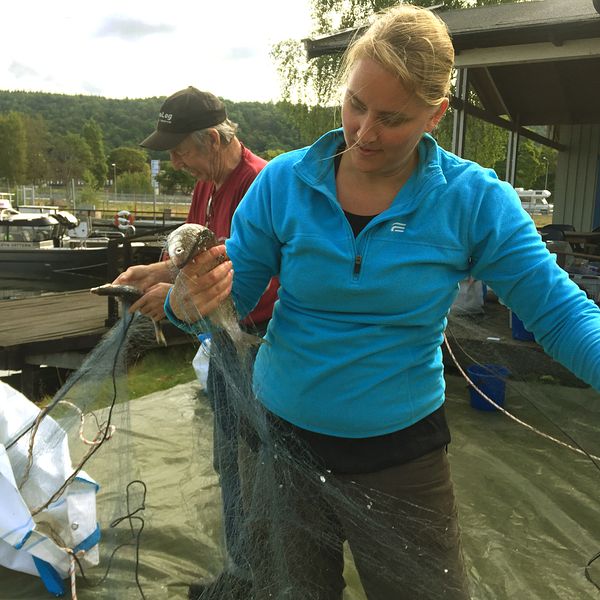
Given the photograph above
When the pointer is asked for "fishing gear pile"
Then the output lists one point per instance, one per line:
(136, 513)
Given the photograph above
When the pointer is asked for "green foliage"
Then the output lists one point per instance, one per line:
(89, 195)
(38, 148)
(123, 122)
(172, 181)
(135, 183)
(13, 148)
(485, 143)
(264, 126)
(271, 154)
(128, 160)
(533, 162)
(70, 157)
(94, 138)
(312, 121)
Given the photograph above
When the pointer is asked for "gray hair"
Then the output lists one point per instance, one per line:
(226, 130)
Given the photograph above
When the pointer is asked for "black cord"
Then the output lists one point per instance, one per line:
(130, 516)
(587, 570)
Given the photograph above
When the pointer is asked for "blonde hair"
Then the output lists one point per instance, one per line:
(413, 44)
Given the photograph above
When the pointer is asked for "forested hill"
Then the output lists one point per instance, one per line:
(263, 126)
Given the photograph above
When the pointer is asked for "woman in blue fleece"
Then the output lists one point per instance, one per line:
(370, 230)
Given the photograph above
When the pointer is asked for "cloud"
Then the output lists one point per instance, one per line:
(241, 53)
(20, 70)
(90, 88)
(130, 29)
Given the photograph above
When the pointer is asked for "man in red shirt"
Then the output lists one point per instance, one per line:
(194, 128)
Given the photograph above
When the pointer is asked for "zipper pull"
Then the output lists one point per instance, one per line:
(357, 263)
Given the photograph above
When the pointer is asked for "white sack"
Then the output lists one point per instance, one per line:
(26, 540)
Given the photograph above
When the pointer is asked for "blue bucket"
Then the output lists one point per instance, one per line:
(518, 329)
(490, 379)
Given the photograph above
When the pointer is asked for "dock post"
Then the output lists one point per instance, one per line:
(31, 381)
(112, 258)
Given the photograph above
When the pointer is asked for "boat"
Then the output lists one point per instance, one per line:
(37, 246)
(535, 201)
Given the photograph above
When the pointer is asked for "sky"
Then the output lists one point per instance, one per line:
(143, 48)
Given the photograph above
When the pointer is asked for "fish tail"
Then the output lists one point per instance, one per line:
(244, 341)
(158, 332)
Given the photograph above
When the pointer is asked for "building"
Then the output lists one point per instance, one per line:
(530, 63)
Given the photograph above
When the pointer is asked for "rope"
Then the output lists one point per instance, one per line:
(72, 563)
(101, 434)
(510, 415)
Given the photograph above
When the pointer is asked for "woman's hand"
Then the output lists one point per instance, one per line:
(202, 285)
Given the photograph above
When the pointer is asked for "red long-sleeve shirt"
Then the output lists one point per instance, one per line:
(214, 209)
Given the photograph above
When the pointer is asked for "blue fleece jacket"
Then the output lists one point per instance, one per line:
(354, 343)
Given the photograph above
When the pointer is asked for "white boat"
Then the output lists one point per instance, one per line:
(535, 202)
(37, 245)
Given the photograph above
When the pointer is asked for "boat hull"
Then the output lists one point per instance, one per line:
(47, 263)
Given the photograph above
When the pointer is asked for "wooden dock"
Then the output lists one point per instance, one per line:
(51, 317)
(57, 330)
(54, 330)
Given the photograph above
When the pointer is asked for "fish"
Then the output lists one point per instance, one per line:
(128, 294)
(182, 245)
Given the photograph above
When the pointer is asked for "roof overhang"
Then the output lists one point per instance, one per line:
(537, 62)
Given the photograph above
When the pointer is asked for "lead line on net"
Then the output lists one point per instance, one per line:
(510, 415)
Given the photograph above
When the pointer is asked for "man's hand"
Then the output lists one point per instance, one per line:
(152, 303)
(143, 277)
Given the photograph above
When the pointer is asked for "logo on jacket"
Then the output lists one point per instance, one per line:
(398, 227)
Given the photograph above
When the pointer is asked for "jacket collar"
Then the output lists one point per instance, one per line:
(316, 168)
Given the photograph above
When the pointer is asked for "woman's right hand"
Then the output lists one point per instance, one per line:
(202, 285)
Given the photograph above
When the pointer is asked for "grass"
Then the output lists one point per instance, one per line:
(161, 369)
(541, 220)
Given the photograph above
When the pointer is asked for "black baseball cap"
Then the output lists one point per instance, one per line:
(182, 113)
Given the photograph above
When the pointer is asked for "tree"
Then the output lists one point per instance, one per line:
(129, 160)
(315, 82)
(135, 183)
(71, 158)
(172, 181)
(534, 162)
(13, 148)
(92, 133)
(38, 147)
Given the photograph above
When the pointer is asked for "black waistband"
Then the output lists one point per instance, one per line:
(367, 455)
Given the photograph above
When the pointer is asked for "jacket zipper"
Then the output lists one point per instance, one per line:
(357, 264)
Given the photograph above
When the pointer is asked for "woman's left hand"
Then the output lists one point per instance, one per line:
(202, 285)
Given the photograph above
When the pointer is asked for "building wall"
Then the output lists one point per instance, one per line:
(576, 192)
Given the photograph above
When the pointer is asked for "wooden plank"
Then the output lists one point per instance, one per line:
(51, 317)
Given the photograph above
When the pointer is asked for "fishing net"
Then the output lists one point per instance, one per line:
(526, 503)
